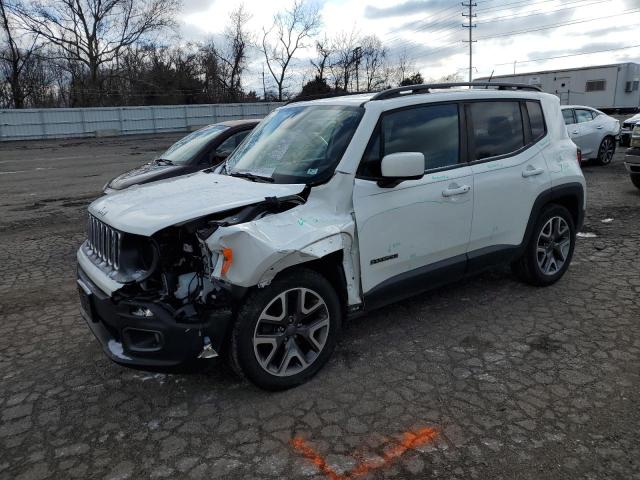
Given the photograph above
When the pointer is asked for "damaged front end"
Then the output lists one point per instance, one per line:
(170, 305)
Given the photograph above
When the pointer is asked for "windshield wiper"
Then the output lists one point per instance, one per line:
(163, 161)
(252, 176)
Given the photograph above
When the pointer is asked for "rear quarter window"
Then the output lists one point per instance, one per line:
(536, 120)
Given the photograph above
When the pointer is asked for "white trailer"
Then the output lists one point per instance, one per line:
(602, 86)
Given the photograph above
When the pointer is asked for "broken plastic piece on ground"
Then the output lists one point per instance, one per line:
(607, 220)
(586, 235)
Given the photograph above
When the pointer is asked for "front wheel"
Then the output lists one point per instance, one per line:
(635, 178)
(286, 331)
(606, 151)
(550, 249)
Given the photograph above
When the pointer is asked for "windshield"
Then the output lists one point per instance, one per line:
(296, 144)
(188, 147)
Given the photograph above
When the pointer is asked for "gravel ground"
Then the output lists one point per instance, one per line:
(487, 378)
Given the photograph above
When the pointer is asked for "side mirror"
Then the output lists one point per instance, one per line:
(397, 167)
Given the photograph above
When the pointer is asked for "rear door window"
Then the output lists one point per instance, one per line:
(567, 113)
(496, 128)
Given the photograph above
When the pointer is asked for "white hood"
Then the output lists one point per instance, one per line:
(145, 209)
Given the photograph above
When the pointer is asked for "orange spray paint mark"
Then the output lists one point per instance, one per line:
(409, 441)
(310, 454)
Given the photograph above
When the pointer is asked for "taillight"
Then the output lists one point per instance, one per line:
(579, 156)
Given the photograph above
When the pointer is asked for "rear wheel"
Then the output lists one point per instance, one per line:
(550, 249)
(606, 151)
(635, 178)
(286, 331)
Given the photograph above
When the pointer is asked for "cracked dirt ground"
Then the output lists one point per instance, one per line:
(512, 381)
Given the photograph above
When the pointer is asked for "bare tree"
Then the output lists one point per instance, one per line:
(324, 50)
(235, 57)
(403, 67)
(95, 32)
(16, 60)
(343, 66)
(288, 33)
(374, 57)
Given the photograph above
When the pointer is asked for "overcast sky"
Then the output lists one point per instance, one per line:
(431, 33)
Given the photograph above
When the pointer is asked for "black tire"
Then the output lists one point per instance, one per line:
(244, 358)
(635, 178)
(606, 150)
(527, 267)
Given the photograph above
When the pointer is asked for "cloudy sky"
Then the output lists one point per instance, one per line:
(527, 32)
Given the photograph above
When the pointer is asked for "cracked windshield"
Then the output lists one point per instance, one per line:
(296, 144)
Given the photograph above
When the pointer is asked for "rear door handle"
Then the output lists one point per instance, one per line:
(600, 127)
(575, 132)
(455, 190)
(532, 171)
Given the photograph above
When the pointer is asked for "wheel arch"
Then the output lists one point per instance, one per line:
(331, 257)
(569, 195)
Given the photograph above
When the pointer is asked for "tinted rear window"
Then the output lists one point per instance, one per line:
(536, 119)
(497, 128)
(568, 116)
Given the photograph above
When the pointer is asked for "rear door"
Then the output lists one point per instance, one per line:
(589, 133)
(505, 139)
(574, 130)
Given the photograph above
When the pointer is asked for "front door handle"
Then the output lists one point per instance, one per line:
(600, 127)
(531, 171)
(575, 132)
(454, 189)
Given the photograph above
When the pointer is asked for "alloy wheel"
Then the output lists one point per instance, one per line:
(554, 243)
(606, 151)
(291, 332)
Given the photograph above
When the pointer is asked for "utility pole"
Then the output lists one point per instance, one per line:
(357, 54)
(470, 26)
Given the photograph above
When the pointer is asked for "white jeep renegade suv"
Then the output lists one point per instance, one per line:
(331, 208)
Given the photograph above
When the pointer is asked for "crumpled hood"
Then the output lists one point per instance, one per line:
(145, 209)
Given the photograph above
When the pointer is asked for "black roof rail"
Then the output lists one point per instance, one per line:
(320, 96)
(426, 88)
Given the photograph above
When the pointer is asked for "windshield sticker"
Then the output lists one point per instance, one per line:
(312, 171)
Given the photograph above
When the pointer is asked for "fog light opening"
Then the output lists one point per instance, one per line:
(142, 312)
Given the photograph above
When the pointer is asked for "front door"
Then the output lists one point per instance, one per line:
(418, 226)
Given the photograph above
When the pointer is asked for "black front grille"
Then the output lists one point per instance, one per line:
(104, 243)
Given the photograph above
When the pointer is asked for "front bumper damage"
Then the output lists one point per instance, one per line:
(148, 333)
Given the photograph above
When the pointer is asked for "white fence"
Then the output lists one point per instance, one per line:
(46, 123)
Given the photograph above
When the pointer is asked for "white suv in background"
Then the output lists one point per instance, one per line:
(331, 208)
(593, 131)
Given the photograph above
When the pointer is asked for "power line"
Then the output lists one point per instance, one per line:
(405, 43)
(518, 32)
(564, 24)
(569, 55)
(580, 3)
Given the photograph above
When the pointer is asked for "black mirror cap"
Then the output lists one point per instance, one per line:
(391, 182)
